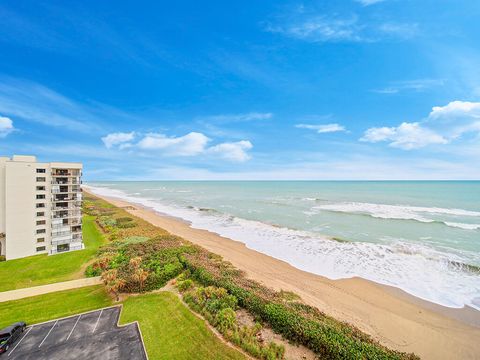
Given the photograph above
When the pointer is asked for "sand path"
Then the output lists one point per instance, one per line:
(45, 289)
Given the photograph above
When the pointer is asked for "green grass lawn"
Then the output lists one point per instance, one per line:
(171, 331)
(44, 269)
(41, 308)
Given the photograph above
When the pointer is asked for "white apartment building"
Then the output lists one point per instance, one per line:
(40, 207)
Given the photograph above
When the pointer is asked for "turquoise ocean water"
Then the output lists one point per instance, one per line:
(422, 237)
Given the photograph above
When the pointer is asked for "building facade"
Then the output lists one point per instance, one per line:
(40, 207)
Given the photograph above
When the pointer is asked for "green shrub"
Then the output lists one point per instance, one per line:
(135, 239)
(126, 225)
(226, 320)
(304, 325)
(107, 222)
(273, 351)
(123, 220)
(184, 285)
(92, 271)
(2, 258)
(217, 306)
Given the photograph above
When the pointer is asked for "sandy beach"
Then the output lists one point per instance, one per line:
(392, 317)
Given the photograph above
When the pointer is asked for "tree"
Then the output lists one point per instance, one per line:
(139, 275)
(113, 283)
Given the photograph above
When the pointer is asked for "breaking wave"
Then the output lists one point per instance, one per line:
(440, 277)
(400, 212)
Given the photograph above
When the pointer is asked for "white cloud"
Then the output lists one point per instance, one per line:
(326, 128)
(443, 125)
(233, 151)
(407, 136)
(6, 126)
(457, 108)
(417, 85)
(400, 30)
(192, 144)
(456, 119)
(317, 26)
(118, 138)
(321, 29)
(227, 118)
(378, 134)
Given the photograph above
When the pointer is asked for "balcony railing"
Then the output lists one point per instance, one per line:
(61, 224)
(66, 173)
(66, 182)
(76, 189)
(62, 234)
(71, 214)
(71, 198)
(70, 206)
(72, 248)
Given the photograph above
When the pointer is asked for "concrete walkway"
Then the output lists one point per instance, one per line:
(45, 289)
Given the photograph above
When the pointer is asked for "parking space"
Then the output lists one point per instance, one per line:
(93, 335)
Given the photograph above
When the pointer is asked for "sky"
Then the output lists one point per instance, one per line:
(237, 90)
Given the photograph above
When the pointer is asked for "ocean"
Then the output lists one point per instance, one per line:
(420, 236)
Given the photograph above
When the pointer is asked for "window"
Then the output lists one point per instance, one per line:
(41, 179)
(41, 171)
(41, 248)
(40, 205)
(40, 197)
(40, 188)
(40, 213)
(40, 240)
(40, 231)
(41, 222)
(63, 247)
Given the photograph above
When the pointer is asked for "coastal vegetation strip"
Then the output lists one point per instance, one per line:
(140, 257)
(44, 269)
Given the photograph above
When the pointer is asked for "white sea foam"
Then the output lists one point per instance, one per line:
(463, 226)
(417, 269)
(400, 212)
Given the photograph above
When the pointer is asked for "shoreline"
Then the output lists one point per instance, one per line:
(391, 316)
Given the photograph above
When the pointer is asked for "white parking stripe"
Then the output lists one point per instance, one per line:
(10, 353)
(95, 328)
(45, 338)
(71, 331)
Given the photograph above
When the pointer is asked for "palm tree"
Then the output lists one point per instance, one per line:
(139, 275)
(113, 283)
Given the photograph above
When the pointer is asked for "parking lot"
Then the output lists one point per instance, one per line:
(92, 335)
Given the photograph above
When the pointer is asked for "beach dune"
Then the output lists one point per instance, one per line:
(394, 318)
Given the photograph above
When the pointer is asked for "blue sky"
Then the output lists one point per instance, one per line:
(350, 89)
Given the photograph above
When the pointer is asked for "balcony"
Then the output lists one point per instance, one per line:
(67, 215)
(67, 232)
(61, 198)
(59, 227)
(70, 206)
(66, 172)
(71, 248)
(66, 182)
(65, 189)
